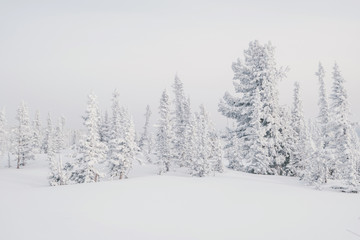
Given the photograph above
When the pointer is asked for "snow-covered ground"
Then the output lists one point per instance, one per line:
(231, 205)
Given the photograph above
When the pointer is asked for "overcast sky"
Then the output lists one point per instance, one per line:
(53, 53)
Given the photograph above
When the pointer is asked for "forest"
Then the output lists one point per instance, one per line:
(265, 137)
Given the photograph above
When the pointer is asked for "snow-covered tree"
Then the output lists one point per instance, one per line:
(181, 119)
(145, 142)
(344, 153)
(204, 148)
(355, 141)
(91, 150)
(57, 175)
(324, 124)
(216, 153)
(24, 136)
(201, 165)
(232, 148)
(122, 144)
(47, 135)
(192, 153)
(164, 135)
(258, 74)
(105, 128)
(313, 167)
(74, 138)
(59, 138)
(3, 133)
(254, 154)
(65, 132)
(37, 134)
(300, 137)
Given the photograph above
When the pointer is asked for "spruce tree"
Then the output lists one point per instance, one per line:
(57, 175)
(91, 150)
(301, 148)
(344, 154)
(324, 123)
(105, 128)
(122, 144)
(145, 142)
(254, 154)
(216, 153)
(37, 133)
(201, 165)
(3, 133)
(258, 73)
(164, 135)
(24, 137)
(47, 135)
(181, 119)
(59, 138)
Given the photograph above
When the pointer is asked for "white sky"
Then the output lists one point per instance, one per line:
(53, 53)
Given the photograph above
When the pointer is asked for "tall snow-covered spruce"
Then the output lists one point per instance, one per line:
(301, 148)
(47, 134)
(24, 137)
(37, 133)
(105, 128)
(3, 133)
(57, 175)
(325, 156)
(204, 146)
(344, 150)
(164, 135)
(91, 150)
(258, 74)
(181, 119)
(145, 142)
(200, 164)
(122, 143)
(254, 153)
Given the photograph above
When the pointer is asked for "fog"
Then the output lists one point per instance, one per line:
(53, 53)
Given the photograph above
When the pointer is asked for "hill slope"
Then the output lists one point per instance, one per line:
(232, 205)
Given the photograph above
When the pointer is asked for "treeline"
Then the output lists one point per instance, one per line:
(267, 138)
(109, 145)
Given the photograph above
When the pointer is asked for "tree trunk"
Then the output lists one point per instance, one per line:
(9, 162)
(18, 162)
(96, 177)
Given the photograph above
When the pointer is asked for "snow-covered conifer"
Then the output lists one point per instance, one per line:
(75, 138)
(57, 175)
(181, 120)
(24, 137)
(59, 138)
(122, 144)
(47, 134)
(105, 128)
(164, 135)
(191, 157)
(3, 133)
(216, 153)
(145, 142)
(258, 73)
(231, 152)
(344, 153)
(91, 150)
(201, 165)
(37, 133)
(324, 125)
(301, 148)
(254, 153)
